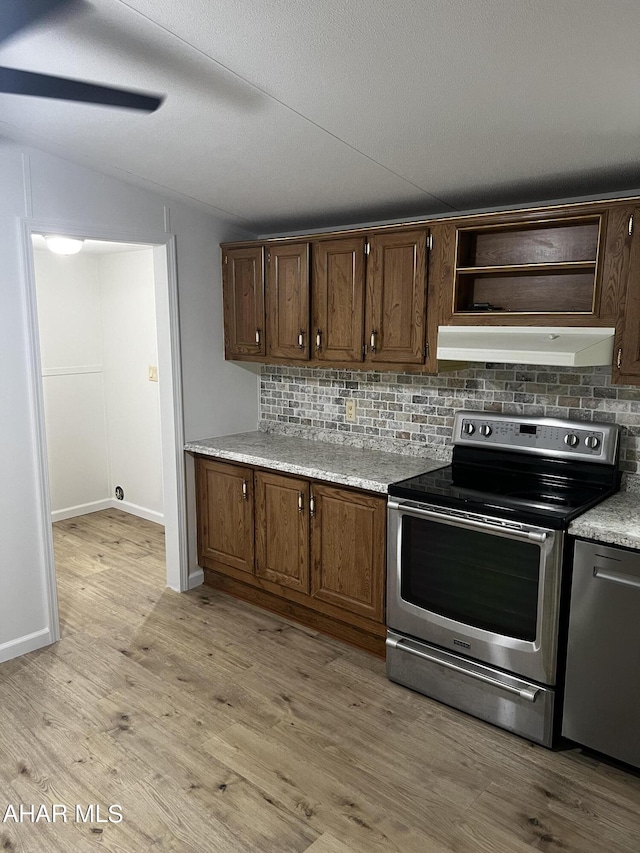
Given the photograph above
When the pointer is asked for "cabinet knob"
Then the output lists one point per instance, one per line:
(301, 340)
(245, 490)
(312, 506)
(300, 502)
(318, 339)
(373, 342)
(257, 337)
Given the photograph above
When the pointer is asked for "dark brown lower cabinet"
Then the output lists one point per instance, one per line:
(348, 550)
(312, 552)
(225, 515)
(282, 530)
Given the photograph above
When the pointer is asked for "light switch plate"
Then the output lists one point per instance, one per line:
(153, 373)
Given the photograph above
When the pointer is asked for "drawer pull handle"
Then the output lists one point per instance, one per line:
(245, 490)
(528, 693)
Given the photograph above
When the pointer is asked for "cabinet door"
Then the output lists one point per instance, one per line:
(616, 246)
(439, 288)
(225, 514)
(287, 297)
(626, 353)
(338, 299)
(396, 297)
(243, 296)
(348, 550)
(282, 530)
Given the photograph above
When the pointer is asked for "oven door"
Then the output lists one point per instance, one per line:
(475, 584)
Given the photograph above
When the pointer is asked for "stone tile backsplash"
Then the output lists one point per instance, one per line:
(413, 414)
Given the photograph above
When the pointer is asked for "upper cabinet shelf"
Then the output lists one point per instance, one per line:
(511, 269)
(545, 267)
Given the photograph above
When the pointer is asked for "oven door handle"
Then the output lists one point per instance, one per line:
(472, 523)
(529, 693)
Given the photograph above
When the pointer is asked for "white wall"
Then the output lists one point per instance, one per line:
(70, 323)
(96, 315)
(130, 347)
(218, 396)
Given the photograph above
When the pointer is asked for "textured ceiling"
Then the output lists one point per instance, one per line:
(283, 115)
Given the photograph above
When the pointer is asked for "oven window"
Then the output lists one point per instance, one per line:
(475, 578)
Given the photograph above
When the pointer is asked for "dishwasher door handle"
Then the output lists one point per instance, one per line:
(616, 577)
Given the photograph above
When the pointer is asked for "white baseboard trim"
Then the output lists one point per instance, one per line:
(81, 509)
(108, 503)
(196, 578)
(28, 643)
(140, 511)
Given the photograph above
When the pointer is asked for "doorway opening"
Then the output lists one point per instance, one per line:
(105, 353)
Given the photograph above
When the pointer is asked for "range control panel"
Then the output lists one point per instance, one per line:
(546, 436)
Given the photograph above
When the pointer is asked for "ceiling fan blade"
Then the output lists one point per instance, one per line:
(17, 82)
(15, 15)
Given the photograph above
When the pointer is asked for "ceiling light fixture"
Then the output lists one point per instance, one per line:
(64, 245)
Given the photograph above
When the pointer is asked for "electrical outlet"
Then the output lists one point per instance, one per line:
(350, 413)
(153, 373)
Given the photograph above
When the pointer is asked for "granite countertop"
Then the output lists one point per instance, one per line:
(616, 521)
(371, 470)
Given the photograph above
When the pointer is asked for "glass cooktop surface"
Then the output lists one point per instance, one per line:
(504, 492)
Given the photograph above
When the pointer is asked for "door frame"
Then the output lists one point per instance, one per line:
(171, 413)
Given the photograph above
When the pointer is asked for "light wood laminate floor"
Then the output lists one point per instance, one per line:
(219, 727)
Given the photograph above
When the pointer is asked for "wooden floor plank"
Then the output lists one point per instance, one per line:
(221, 727)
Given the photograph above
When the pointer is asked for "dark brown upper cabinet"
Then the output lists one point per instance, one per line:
(287, 298)
(396, 297)
(544, 268)
(626, 353)
(338, 299)
(370, 299)
(243, 298)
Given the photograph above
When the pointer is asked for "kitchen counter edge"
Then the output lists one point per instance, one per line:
(615, 521)
(360, 468)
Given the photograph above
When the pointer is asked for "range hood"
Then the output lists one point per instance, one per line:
(558, 346)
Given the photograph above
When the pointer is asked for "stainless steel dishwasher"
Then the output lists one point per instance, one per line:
(602, 695)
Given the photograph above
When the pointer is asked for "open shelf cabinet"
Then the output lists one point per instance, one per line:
(548, 267)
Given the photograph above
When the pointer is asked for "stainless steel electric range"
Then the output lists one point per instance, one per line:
(477, 564)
